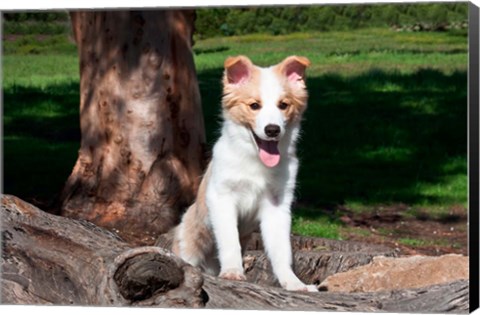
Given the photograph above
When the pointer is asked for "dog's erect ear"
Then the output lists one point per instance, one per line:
(293, 68)
(237, 69)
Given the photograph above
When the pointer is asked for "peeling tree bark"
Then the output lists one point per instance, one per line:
(143, 142)
(48, 259)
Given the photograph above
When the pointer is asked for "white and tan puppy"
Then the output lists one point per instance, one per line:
(251, 177)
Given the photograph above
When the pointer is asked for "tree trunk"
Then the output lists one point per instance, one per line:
(48, 259)
(142, 151)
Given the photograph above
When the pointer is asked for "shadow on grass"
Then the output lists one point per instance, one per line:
(41, 140)
(374, 138)
(49, 113)
(382, 138)
(199, 51)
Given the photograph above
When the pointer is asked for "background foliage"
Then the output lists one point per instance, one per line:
(284, 20)
(276, 20)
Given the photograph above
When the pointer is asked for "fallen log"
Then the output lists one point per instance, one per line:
(449, 297)
(48, 259)
(314, 258)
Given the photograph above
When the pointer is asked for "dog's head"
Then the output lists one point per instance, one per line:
(265, 100)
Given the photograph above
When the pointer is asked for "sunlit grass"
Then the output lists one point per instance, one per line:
(39, 70)
(450, 188)
(307, 221)
(354, 51)
(414, 241)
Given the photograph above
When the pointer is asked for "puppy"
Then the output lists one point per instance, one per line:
(250, 180)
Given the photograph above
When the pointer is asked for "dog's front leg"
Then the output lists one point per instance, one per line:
(275, 221)
(223, 218)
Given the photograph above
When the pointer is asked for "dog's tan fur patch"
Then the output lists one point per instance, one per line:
(295, 95)
(237, 98)
(197, 238)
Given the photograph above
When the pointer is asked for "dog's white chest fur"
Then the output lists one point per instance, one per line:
(237, 172)
(251, 179)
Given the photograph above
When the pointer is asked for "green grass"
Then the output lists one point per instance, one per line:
(39, 71)
(386, 121)
(38, 44)
(308, 221)
(413, 242)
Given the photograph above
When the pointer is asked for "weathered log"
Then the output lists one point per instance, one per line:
(450, 297)
(48, 259)
(314, 258)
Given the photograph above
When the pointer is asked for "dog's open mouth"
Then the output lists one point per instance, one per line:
(267, 151)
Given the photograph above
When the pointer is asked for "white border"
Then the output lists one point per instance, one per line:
(88, 4)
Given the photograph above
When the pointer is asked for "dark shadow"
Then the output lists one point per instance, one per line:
(374, 138)
(22, 106)
(39, 150)
(199, 51)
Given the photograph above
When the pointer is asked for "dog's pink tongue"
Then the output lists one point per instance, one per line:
(269, 153)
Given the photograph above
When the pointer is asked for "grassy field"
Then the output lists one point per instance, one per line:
(386, 123)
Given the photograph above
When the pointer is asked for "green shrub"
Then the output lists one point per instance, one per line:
(36, 27)
(49, 16)
(274, 20)
(211, 22)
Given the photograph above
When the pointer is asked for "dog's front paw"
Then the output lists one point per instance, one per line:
(311, 288)
(300, 287)
(233, 274)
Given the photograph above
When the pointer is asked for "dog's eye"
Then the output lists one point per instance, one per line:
(255, 106)
(282, 105)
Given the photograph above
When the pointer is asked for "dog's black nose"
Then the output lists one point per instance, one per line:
(272, 130)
